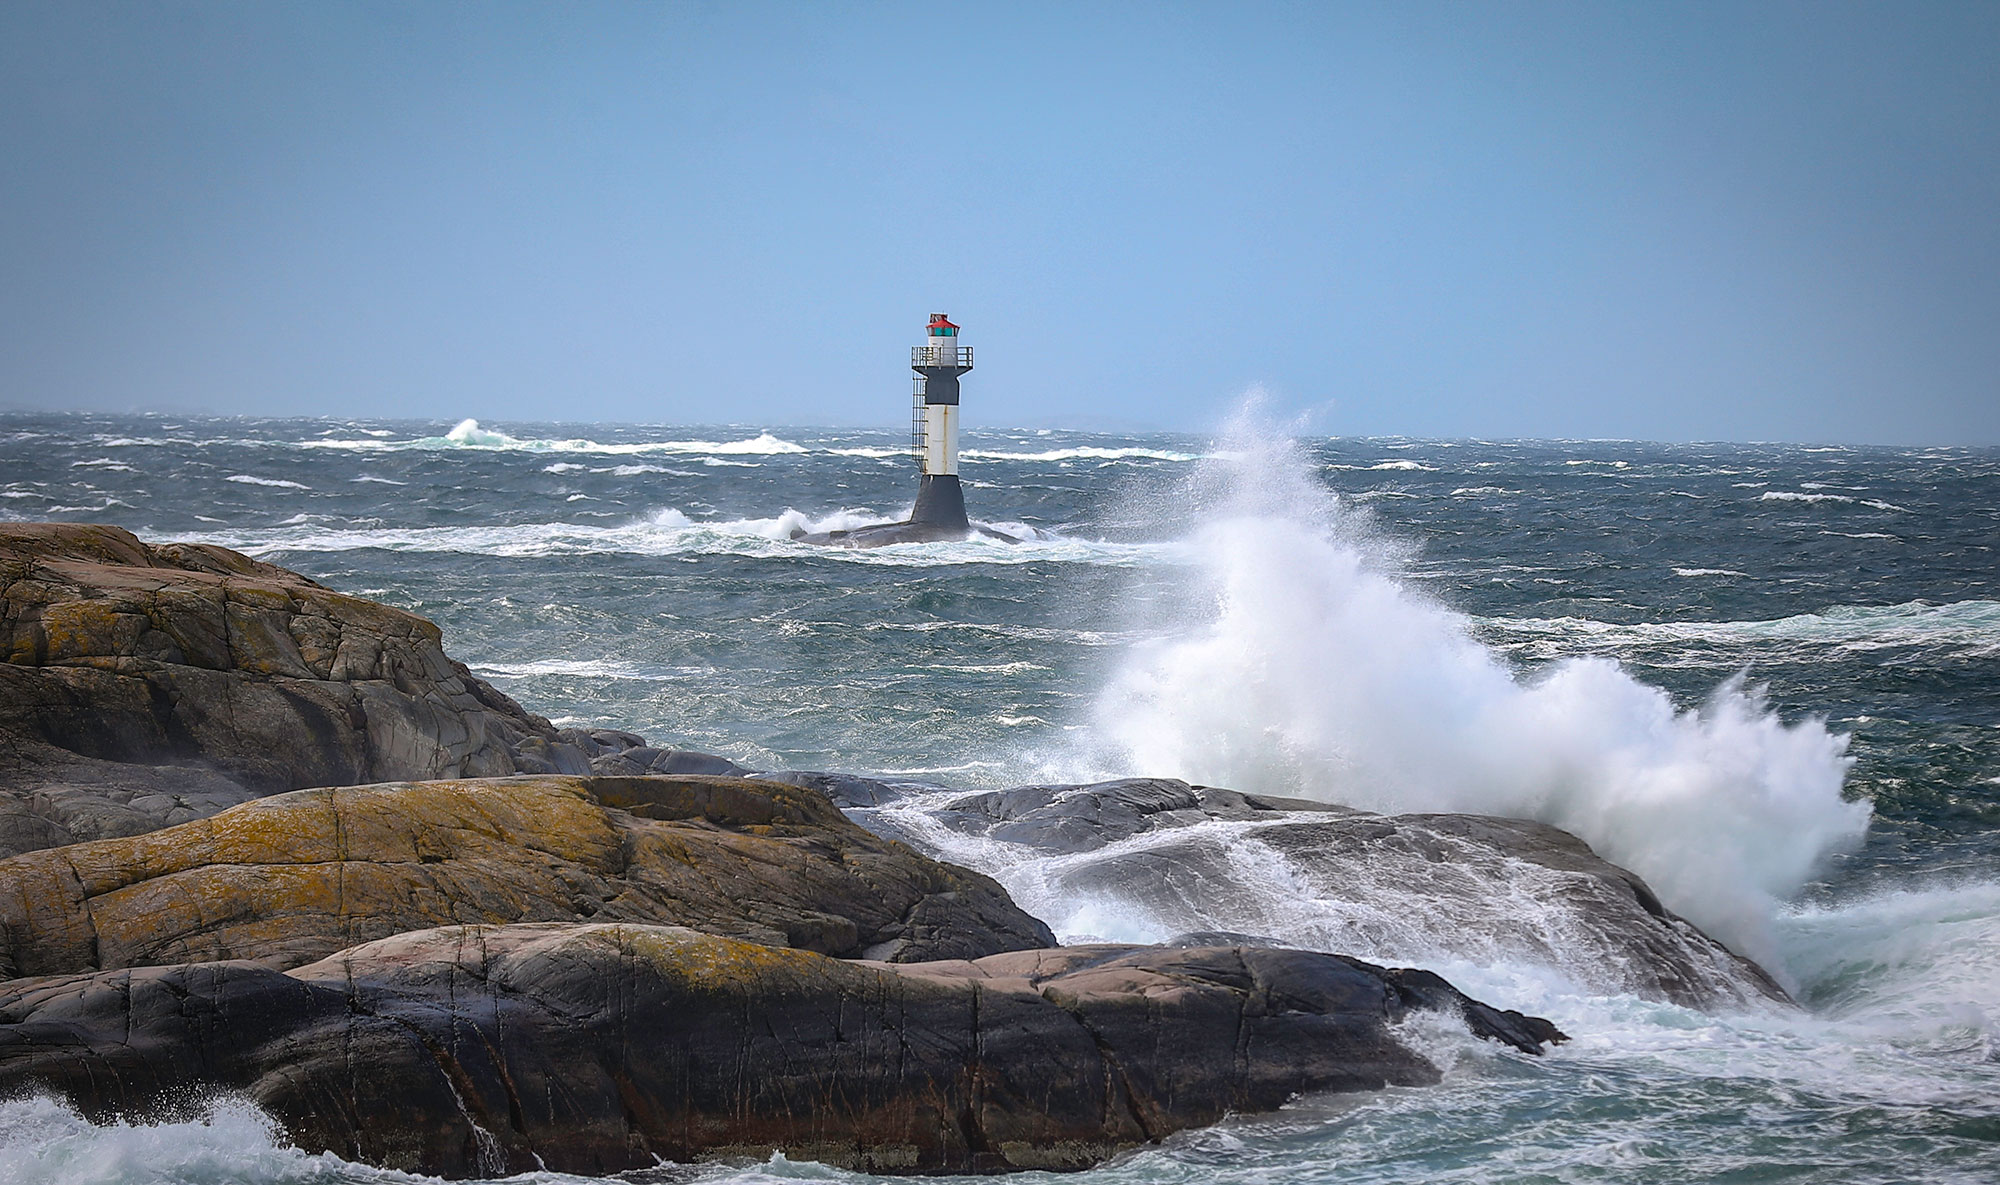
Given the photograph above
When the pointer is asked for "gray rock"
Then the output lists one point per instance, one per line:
(140, 685)
(595, 1049)
(851, 790)
(1082, 818)
(1420, 886)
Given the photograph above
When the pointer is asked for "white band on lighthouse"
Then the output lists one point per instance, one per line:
(941, 438)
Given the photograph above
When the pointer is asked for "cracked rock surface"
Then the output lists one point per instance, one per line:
(142, 686)
(485, 1051)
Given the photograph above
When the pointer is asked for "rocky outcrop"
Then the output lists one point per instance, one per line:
(146, 685)
(293, 877)
(473, 1051)
(1423, 887)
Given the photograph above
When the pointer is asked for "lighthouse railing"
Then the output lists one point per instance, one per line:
(941, 356)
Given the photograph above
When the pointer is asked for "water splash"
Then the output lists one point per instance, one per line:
(1302, 663)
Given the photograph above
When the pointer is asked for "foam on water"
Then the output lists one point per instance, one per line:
(44, 1142)
(1081, 453)
(469, 435)
(1305, 665)
(1962, 629)
(672, 532)
(276, 483)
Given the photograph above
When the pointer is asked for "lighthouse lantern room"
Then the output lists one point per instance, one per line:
(934, 425)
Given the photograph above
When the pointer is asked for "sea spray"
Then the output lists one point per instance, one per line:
(1304, 663)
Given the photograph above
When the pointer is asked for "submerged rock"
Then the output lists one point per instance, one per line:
(1172, 857)
(143, 686)
(484, 1051)
(294, 877)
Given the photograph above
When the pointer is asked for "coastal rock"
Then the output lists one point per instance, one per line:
(293, 877)
(477, 1051)
(1169, 857)
(145, 685)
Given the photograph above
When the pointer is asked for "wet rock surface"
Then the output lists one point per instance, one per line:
(483, 1051)
(290, 878)
(1427, 886)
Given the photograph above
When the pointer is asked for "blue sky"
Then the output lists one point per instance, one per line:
(1661, 221)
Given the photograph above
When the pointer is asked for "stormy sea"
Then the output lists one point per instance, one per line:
(1764, 677)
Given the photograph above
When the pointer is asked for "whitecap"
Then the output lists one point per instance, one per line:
(1794, 496)
(1081, 453)
(673, 532)
(468, 434)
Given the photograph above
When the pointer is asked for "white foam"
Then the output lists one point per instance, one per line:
(1835, 499)
(595, 668)
(1691, 572)
(671, 532)
(1306, 665)
(1081, 453)
(277, 483)
(1970, 627)
(467, 434)
(43, 1142)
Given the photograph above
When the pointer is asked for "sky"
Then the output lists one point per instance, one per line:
(1671, 221)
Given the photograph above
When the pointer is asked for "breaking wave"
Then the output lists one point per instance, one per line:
(469, 435)
(1302, 663)
(1083, 453)
(673, 533)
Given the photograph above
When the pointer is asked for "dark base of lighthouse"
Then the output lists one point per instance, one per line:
(940, 503)
(939, 517)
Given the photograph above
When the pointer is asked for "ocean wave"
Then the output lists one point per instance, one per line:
(1971, 627)
(469, 435)
(105, 463)
(601, 668)
(45, 1142)
(1305, 663)
(614, 470)
(1408, 466)
(869, 451)
(276, 483)
(672, 533)
(1836, 499)
(1081, 453)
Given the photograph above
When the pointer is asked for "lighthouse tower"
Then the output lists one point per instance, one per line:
(934, 425)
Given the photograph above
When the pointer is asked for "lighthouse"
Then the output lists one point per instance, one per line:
(939, 515)
(934, 425)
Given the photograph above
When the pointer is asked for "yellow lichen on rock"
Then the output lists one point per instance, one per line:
(292, 877)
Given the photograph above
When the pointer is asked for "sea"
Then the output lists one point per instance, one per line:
(1766, 677)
